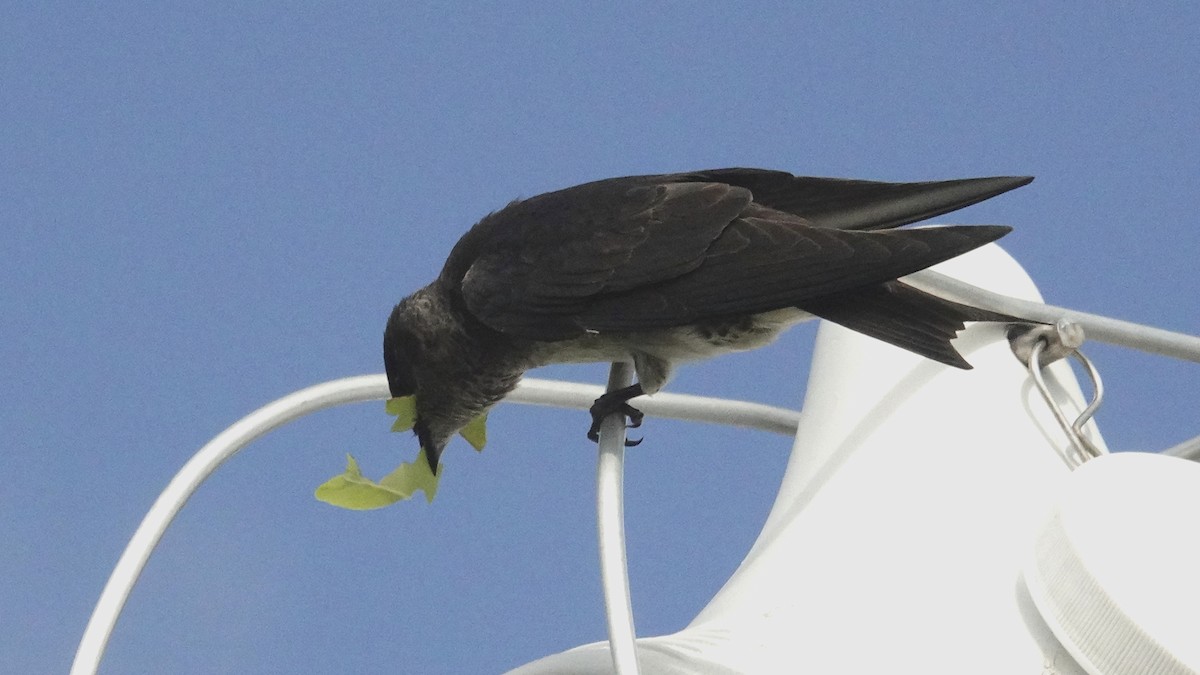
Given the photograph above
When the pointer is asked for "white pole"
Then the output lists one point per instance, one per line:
(610, 521)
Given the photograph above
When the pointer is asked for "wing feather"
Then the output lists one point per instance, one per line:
(846, 204)
(658, 251)
(551, 256)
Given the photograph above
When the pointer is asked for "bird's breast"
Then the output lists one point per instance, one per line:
(735, 334)
(701, 340)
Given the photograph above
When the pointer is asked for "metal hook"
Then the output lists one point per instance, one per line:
(1039, 347)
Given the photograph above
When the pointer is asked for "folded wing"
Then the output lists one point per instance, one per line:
(659, 251)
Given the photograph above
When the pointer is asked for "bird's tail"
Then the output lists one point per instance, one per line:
(904, 316)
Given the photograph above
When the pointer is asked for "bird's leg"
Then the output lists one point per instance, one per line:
(617, 401)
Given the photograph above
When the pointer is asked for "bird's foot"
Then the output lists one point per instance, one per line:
(617, 402)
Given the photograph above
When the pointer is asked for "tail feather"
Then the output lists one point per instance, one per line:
(904, 316)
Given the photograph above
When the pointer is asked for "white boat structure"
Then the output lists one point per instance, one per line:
(930, 520)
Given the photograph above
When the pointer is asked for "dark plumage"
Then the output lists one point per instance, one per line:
(669, 268)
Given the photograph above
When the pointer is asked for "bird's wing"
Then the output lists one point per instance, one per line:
(536, 265)
(631, 255)
(858, 204)
(765, 262)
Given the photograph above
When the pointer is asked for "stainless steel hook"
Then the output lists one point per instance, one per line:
(1041, 345)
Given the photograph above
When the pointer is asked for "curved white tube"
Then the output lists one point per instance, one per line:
(663, 404)
(356, 390)
(610, 530)
(1095, 327)
(202, 465)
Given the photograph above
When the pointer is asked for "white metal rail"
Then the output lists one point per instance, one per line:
(374, 387)
(1095, 327)
(610, 529)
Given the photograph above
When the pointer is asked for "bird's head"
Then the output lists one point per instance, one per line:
(406, 359)
(426, 356)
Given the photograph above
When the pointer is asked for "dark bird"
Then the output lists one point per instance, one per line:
(658, 270)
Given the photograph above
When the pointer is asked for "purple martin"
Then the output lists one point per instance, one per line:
(663, 269)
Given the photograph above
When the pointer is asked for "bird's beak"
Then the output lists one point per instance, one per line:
(433, 449)
(433, 454)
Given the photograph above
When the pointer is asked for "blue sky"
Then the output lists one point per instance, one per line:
(208, 206)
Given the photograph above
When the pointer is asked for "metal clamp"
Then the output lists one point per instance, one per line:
(1041, 345)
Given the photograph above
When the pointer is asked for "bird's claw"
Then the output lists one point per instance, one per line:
(603, 408)
(635, 416)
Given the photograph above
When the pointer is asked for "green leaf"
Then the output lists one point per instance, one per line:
(404, 409)
(410, 477)
(351, 490)
(476, 432)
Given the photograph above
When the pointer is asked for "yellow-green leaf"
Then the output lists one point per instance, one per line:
(410, 477)
(476, 432)
(351, 490)
(404, 409)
